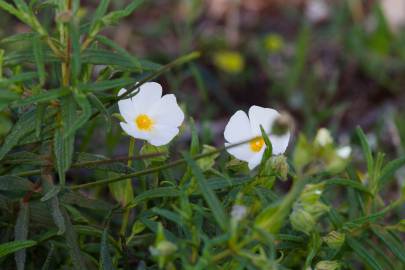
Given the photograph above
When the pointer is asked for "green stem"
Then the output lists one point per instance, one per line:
(154, 169)
(128, 184)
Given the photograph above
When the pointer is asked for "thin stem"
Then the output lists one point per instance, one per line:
(154, 169)
(85, 163)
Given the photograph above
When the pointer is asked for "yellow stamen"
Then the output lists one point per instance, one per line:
(256, 144)
(144, 122)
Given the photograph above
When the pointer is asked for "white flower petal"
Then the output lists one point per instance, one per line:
(131, 130)
(279, 143)
(148, 94)
(262, 116)
(256, 159)
(241, 152)
(166, 111)
(126, 107)
(162, 135)
(238, 128)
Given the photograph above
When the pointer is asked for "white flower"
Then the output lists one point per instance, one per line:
(241, 128)
(238, 212)
(344, 152)
(149, 116)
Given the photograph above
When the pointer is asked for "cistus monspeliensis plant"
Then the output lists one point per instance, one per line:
(243, 204)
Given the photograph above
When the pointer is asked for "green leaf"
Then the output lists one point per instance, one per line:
(363, 254)
(106, 85)
(105, 257)
(20, 57)
(96, 102)
(366, 150)
(11, 247)
(63, 147)
(21, 234)
(71, 240)
(24, 125)
(76, 62)
(396, 247)
(108, 42)
(389, 170)
(160, 192)
(104, 57)
(209, 196)
(19, 78)
(42, 97)
(51, 193)
(39, 59)
(14, 184)
(20, 37)
(115, 16)
(57, 215)
(48, 259)
(84, 104)
(347, 183)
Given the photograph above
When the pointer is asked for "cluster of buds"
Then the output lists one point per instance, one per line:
(308, 208)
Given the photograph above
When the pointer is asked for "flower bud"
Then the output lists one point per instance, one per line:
(323, 137)
(302, 221)
(279, 165)
(312, 193)
(282, 125)
(163, 248)
(334, 239)
(327, 265)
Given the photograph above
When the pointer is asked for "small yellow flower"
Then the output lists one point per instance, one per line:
(149, 116)
(229, 61)
(241, 128)
(273, 43)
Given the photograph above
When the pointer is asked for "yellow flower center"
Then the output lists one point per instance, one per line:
(144, 122)
(256, 144)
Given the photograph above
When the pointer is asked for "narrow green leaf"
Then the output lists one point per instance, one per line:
(57, 215)
(115, 16)
(76, 62)
(63, 147)
(347, 183)
(42, 97)
(101, 108)
(389, 170)
(160, 192)
(105, 257)
(39, 118)
(106, 85)
(24, 125)
(84, 104)
(19, 78)
(48, 259)
(71, 240)
(396, 247)
(51, 193)
(209, 196)
(11, 247)
(363, 254)
(37, 46)
(108, 42)
(21, 234)
(366, 150)
(20, 37)
(104, 57)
